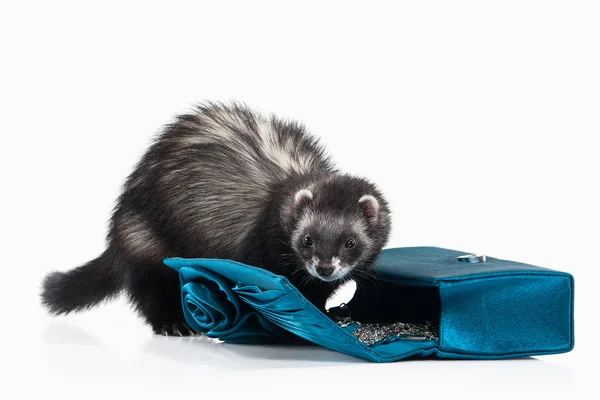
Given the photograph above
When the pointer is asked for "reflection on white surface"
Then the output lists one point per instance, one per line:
(201, 351)
(206, 351)
(157, 361)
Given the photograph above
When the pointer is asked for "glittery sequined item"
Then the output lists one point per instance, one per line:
(371, 333)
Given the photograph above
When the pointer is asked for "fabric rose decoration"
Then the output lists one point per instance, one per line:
(212, 305)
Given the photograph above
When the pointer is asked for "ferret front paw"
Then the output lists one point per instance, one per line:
(176, 329)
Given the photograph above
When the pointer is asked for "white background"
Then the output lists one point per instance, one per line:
(478, 120)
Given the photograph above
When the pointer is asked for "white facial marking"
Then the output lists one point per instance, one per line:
(312, 267)
(305, 221)
(339, 271)
(335, 261)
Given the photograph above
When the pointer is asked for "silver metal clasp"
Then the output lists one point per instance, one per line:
(472, 258)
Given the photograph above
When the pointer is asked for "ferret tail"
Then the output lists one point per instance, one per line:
(82, 287)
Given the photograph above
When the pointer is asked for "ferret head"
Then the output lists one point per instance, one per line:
(338, 227)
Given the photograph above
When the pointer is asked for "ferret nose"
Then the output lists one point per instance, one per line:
(325, 270)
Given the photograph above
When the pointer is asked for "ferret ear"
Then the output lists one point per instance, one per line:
(293, 207)
(302, 198)
(370, 208)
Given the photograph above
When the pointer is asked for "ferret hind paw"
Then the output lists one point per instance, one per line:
(180, 329)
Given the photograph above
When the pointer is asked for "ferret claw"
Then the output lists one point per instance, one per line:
(180, 329)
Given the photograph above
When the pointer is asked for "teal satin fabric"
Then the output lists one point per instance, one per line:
(497, 309)
(213, 306)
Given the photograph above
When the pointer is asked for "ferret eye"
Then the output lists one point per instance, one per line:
(307, 241)
(350, 243)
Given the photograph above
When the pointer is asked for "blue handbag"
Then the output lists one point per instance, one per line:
(461, 307)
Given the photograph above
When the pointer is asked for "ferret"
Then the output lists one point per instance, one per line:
(223, 181)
